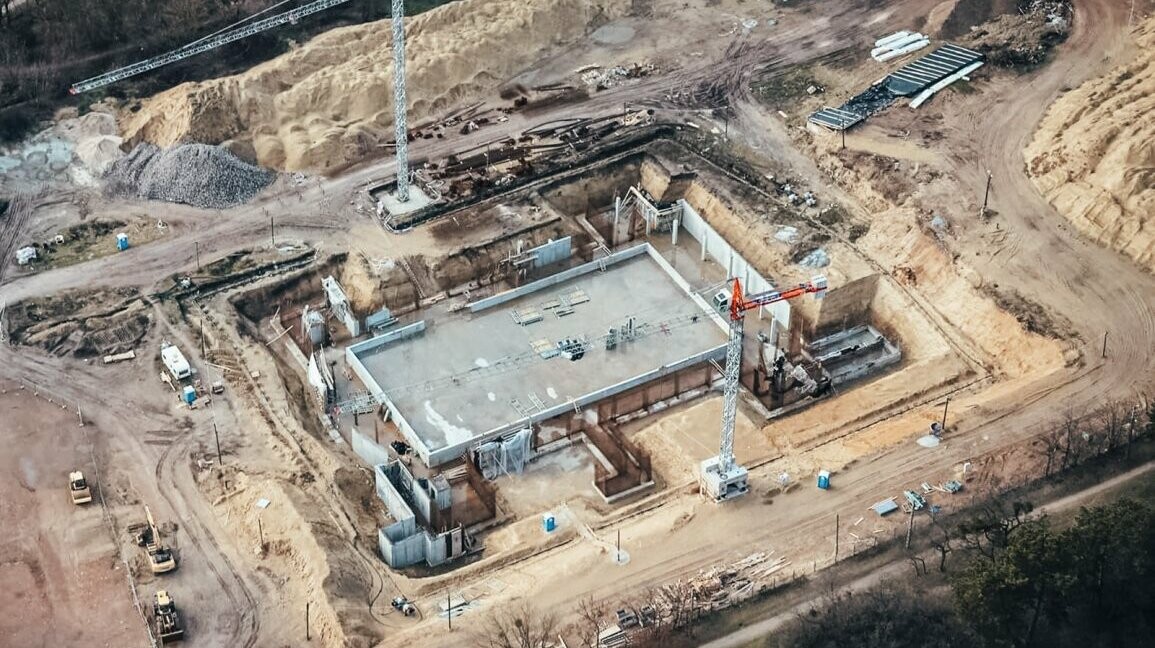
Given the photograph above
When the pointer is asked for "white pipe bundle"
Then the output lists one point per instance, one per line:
(912, 47)
(886, 40)
(926, 94)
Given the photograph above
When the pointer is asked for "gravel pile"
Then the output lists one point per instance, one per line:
(195, 174)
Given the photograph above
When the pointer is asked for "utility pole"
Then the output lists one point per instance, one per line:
(218, 440)
(272, 232)
(986, 196)
(910, 529)
(945, 406)
(198, 249)
(449, 609)
(308, 636)
(261, 533)
(836, 520)
(842, 122)
(202, 334)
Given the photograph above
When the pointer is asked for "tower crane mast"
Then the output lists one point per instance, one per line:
(721, 478)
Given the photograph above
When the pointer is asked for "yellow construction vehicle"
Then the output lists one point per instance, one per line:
(160, 557)
(166, 618)
(78, 487)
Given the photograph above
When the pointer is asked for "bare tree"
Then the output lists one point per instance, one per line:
(592, 613)
(988, 531)
(518, 626)
(1052, 445)
(941, 543)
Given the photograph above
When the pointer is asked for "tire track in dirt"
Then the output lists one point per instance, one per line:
(246, 626)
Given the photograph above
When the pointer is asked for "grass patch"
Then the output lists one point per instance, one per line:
(790, 85)
(94, 239)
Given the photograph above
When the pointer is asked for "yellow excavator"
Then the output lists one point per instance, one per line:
(160, 557)
(78, 487)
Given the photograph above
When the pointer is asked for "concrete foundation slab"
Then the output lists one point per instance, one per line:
(489, 370)
(387, 203)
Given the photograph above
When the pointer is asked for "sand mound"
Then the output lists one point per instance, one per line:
(329, 103)
(1094, 154)
(195, 174)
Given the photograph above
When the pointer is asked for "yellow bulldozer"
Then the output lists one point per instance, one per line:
(166, 618)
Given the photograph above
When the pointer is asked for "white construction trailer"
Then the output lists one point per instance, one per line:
(175, 361)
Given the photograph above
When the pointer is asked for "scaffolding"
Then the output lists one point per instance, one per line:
(505, 455)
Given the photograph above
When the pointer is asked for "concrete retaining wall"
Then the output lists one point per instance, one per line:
(715, 246)
(553, 280)
(368, 449)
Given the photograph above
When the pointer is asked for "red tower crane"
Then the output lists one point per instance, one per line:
(721, 478)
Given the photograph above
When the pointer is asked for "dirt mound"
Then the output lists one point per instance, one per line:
(329, 103)
(194, 174)
(1022, 38)
(1094, 154)
(84, 324)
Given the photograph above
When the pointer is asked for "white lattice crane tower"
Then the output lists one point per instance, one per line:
(721, 478)
(400, 101)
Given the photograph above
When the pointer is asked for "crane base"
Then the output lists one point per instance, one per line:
(722, 485)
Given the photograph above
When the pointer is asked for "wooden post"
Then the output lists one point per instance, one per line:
(986, 196)
(198, 252)
(836, 537)
(944, 409)
(449, 609)
(218, 440)
(910, 529)
(261, 533)
(1105, 334)
(308, 636)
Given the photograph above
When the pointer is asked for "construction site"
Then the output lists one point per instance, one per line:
(440, 314)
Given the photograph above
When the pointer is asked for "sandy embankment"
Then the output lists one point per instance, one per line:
(1093, 156)
(329, 102)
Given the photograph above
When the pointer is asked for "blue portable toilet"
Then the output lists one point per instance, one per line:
(548, 522)
(122, 242)
(190, 395)
(824, 479)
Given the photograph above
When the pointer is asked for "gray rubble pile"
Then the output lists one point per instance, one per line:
(195, 174)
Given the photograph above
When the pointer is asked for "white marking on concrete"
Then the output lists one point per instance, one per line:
(492, 397)
(552, 393)
(481, 362)
(453, 434)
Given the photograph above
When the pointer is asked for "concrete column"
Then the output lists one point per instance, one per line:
(703, 242)
(674, 233)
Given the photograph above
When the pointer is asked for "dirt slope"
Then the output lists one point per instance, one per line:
(1094, 154)
(330, 103)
